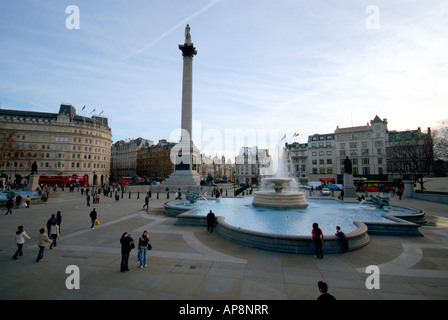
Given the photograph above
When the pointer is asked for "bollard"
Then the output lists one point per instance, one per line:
(138, 195)
(129, 194)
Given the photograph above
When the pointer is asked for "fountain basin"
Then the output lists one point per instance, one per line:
(278, 198)
(283, 200)
(290, 230)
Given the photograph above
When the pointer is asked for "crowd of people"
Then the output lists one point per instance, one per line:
(51, 233)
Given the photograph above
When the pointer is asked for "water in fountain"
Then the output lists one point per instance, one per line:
(281, 189)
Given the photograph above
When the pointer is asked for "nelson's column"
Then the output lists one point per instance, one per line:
(183, 154)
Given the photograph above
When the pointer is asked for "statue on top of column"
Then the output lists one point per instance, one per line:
(187, 35)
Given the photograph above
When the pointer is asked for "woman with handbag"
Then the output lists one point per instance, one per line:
(143, 247)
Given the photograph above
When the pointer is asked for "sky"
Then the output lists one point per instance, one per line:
(264, 69)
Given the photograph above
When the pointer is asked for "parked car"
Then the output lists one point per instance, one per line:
(325, 191)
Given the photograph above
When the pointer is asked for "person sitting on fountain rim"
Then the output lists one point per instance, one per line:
(342, 238)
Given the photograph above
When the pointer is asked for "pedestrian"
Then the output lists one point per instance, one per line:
(9, 205)
(44, 239)
(210, 221)
(399, 194)
(93, 217)
(54, 234)
(88, 200)
(127, 244)
(20, 240)
(27, 201)
(59, 220)
(146, 202)
(18, 200)
(318, 238)
(324, 295)
(143, 247)
(50, 222)
(342, 238)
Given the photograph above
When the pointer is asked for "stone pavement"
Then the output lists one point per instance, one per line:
(188, 263)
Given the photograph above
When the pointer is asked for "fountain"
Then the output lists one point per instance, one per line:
(279, 218)
(280, 191)
(277, 198)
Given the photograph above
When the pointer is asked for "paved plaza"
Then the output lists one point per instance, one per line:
(188, 263)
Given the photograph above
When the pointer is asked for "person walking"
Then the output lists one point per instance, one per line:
(324, 295)
(50, 222)
(143, 247)
(318, 238)
(20, 240)
(9, 205)
(18, 200)
(127, 244)
(146, 202)
(93, 217)
(210, 221)
(54, 234)
(59, 220)
(43, 240)
(88, 199)
(27, 201)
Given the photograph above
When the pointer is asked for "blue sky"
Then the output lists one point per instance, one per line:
(263, 68)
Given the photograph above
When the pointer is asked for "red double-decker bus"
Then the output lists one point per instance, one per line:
(63, 180)
(374, 185)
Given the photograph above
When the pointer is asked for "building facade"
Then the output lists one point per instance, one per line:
(154, 161)
(250, 164)
(124, 157)
(322, 157)
(62, 143)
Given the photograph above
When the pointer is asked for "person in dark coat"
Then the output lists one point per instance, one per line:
(210, 221)
(324, 295)
(318, 238)
(342, 239)
(9, 205)
(93, 217)
(127, 244)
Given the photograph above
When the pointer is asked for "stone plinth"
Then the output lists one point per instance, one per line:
(349, 186)
(33, 182)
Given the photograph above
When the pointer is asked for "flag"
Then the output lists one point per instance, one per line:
(92, 111)
(101, 112)
(83, 108)
(283, 137)
(295, 135)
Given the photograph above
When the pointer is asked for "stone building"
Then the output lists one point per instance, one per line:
(124, 157)
(154, 161)
(62, 143)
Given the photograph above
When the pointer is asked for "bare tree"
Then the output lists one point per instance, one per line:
(414, 156)
(8, 146)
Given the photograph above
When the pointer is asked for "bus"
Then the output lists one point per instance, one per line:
(78, 180)
(63, 180)
(373, 185)
(54, 180)
(126, 180)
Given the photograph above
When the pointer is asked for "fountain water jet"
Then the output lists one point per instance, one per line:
(277, 198)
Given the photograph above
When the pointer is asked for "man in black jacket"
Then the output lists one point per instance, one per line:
(93, 217)
(127, 244)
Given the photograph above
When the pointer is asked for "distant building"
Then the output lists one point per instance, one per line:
(249, 165)
(154, 161)
(409, 152)
(62, 143)
(124, 157)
